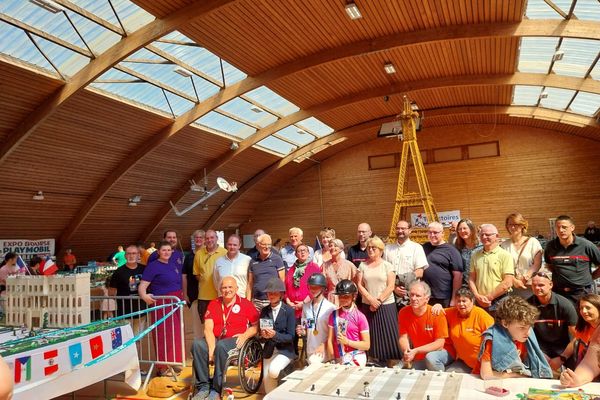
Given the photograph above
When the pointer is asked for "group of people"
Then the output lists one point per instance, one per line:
(471, 304)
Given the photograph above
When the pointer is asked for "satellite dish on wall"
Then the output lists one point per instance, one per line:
(226, 186)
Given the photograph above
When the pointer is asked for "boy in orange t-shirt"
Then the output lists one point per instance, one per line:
(420, 331)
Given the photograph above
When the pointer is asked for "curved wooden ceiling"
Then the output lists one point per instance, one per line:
(457, 59)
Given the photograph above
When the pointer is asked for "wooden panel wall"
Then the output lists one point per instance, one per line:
(539, 173)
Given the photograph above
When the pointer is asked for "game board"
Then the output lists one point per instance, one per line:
(565, 394)
(347, 382)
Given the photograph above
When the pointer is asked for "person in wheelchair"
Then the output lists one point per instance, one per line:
(348, 339)
(277, 327)
(230, 320)
(315, 318)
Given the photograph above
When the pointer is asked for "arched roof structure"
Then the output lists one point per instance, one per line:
(139, 97)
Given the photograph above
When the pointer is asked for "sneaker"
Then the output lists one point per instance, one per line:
(201, 394)
(214, 395)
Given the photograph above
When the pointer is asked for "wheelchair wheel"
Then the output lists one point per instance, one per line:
(250, 366)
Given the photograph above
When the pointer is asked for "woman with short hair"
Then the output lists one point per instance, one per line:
(376, 279)
(526, 252)
(322, 255)
(337, 269)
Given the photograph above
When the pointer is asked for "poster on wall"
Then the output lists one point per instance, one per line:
(419, 220)
(28, 248)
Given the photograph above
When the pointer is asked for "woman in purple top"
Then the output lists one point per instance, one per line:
(162, 277)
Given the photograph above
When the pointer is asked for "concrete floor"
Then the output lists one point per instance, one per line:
(117, 389)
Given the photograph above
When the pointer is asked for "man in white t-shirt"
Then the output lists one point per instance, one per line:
(408, 260)
(233, 264)
(315, 316)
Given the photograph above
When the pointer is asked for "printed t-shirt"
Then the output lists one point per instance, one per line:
(126, 281)
(322, 310)
(465, 333)
(164, 278)
(238, 316)
(353, 322)
(423, 329)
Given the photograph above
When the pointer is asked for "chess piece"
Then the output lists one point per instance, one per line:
(230, 395)
(398, 396)
(366, 390)
(425, 372)
(337, 391)
(312, 388)
(452, 374)
(428, 398)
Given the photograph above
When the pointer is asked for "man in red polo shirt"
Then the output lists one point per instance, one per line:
(230, 320)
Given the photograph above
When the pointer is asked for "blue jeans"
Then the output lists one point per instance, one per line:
(438, 360)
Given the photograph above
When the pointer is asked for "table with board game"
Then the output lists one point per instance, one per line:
(328, 381)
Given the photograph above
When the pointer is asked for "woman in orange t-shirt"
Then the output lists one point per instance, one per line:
(588, 321)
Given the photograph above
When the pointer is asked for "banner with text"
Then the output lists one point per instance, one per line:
(419, 220)
(28, 248)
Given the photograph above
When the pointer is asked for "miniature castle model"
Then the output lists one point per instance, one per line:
(64, 298)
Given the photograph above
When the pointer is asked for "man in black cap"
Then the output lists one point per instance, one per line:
(277, 325)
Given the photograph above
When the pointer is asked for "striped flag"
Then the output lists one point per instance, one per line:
(22, 367)
(22, 266)
(48, 267)
(52, 357)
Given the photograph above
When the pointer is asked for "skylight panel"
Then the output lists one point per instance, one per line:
(557, 99)
(539, 9)
(595, 74)
(587, 10)
(272, 101)
(131, 16)
(248, 112)
(68, 62)
(221, 123)
(578, 56)
(535, 54)
(524, 95)
(15, 43)
(293, 134)
(276, 145)
(141, 93)
(585, 103)
(313, 125)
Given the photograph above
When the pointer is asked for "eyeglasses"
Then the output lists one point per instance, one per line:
(302, 251)
(542, 274)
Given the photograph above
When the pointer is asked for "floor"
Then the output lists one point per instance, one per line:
(117, 389)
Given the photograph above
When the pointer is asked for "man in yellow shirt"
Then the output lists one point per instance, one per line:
(204, 264)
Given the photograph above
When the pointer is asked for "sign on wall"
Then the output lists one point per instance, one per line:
(419, 220)
(28, 248)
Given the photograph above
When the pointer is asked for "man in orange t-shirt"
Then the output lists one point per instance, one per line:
(420, 331)
(69, 260)
(466, 323)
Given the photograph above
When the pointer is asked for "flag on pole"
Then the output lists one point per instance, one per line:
(96, 347)
(22, 367)
(23, 265)
(48, 267)
(75, 354)
(52, 367)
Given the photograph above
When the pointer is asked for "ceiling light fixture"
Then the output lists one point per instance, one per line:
(234, 146)
(256, 109)
(301, 132)
(543, 95)
(47, 5)
(183, 72)
(38, 196)
(205, 207)
(352, 10)
(558, 55)
(134, 200)
(389, 68)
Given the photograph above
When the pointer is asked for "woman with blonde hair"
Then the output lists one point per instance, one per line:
(322, 255)
(526, 252)
(376, 279)
(336, 269)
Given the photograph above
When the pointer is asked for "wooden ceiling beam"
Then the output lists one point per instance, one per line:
(112, 56)
(91, 16)
(564, 82)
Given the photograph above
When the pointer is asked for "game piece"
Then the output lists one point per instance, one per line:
(366, 390)
(412, 371)
(425, 372)
(439, 373)
(312, 388)
(428, 398)
(337, 391)
(452, 374)
(230, 395)
(399, 396)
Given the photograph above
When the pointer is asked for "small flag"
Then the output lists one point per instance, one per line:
(96, 347)
(116, 338)
(48, 267)
(52, 363)
(22, 365)
(75, 354)
(21, 263)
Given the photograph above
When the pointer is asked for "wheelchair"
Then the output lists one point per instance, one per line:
(249, 362)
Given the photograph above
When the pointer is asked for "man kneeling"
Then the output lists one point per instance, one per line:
(230, 320)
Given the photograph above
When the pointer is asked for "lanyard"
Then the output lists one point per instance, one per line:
(225, 318)
(316, 316)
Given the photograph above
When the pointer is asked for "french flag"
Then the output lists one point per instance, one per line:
(48, 267)
(21, 264)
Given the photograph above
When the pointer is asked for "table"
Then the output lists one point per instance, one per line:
(386, 383)
(67, 360)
